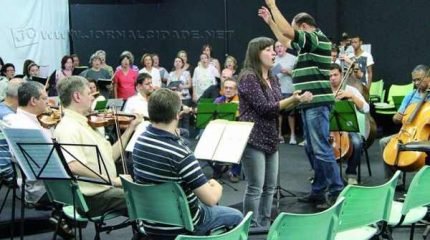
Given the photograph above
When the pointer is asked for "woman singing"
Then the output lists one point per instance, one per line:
(260, 102)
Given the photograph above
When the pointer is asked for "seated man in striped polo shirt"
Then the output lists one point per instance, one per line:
(160, 155)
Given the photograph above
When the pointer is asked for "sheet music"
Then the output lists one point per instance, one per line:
(137, 132)
(209, 140)
(233, 142)
(115, 102)
(276, 69)
(36, 153)
(223, 141)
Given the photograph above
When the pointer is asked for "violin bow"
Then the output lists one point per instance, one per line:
(345, 77)
(118, 133)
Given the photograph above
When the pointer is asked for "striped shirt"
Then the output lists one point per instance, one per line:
(160, 156)
(6, 171)
(313, 66)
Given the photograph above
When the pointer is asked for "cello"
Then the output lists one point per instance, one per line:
(415, 128)
(339, 140)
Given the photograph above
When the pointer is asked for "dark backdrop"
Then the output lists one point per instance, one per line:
(397, 29)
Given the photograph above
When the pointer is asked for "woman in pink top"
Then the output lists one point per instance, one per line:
(124, 78)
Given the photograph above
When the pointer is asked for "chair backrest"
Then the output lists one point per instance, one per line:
(418, 192)
(164, 203)
(367, 205)
(376, 91)
(361, 120)
(240, 232)
(64, 191)
(399, 90)
(320, 225)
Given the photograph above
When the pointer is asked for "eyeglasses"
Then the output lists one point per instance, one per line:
(416, 79)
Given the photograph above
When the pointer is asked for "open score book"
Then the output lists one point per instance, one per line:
(223, 141)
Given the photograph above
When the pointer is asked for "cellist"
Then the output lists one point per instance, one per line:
(421, 83)
(353, 94)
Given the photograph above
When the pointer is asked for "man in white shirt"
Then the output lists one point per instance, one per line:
(286, 62)
(138, 104)
(32, 101)
(363, 58)
(352, 94)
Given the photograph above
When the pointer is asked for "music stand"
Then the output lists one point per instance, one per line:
(207, 112)
(40, 159)
(116, 103)
(343, 118)
(101, 105)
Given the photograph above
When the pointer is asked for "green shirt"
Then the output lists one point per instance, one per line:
(313, 66)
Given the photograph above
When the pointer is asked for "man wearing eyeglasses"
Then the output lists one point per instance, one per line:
(421, 80)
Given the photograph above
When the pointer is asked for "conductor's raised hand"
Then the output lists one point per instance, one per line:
(271, 3)
(264, 13)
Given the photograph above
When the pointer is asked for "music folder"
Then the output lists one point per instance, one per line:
(79, 70)
(40, 80)
(223, 141)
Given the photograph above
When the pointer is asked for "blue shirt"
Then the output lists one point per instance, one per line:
(413, 97)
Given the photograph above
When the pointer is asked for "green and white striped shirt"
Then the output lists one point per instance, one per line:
(313, 67)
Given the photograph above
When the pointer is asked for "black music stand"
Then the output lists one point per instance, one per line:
(343, 118)
(207, 112)
(40, 159)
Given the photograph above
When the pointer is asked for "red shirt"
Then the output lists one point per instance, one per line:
(124, 83)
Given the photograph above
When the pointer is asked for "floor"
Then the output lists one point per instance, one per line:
(294, 172)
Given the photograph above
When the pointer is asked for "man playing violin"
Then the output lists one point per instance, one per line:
(32, 101)
(139, 102)
(76, 98)
(352, 94)
(421, 82)
(7, 108)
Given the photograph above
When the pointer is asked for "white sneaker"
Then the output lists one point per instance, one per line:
(293, 141)
(302, 143)
(352, 181)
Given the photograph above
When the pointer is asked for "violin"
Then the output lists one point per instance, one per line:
(415, 128)
(97, 120)
(50, 118)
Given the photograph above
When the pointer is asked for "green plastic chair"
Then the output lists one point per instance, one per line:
(395, 90)
(376, 91)
(399, 90)
(365, 206)
(320, 225)
(68, 194)
(240, 232)
(164, 203)
(413, 209)
(361, 120)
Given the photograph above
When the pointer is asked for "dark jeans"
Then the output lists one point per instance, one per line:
(319, 150)
(356, 143)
